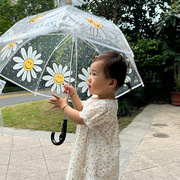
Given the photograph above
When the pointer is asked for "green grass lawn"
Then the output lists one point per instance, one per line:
(37, 115)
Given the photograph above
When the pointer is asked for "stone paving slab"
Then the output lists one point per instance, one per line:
(32, 158)
(158, 155)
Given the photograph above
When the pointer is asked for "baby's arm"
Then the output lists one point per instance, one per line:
(77, 103)
(70, 112)
(73, 115)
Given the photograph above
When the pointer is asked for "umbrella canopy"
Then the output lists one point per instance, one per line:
(2, 84)
(43, 52)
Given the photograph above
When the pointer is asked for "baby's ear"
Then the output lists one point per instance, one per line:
(113, 83)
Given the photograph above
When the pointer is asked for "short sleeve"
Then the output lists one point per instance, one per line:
(95, 114)
(83, 103)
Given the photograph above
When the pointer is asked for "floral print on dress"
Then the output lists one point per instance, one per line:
(95, 155)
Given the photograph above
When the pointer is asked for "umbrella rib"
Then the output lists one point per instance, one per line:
(73, 42)
(64, 40)
(50, 34)
(141, 84)
(19, 84)
(108, 46)
(76, 65)
(92, 45)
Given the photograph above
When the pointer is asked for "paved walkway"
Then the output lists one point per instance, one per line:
(150, 149)
(12, 98)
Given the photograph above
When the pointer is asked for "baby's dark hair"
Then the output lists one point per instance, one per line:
(115, 66)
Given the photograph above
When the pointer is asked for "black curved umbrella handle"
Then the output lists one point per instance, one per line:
(62, 136)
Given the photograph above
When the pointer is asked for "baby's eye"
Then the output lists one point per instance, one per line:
(92, 73)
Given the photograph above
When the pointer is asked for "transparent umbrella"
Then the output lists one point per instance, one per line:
(43, 52)
(2, 84)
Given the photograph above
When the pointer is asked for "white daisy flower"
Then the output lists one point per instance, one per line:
(28, 24)
(39, 21)
(8, 35)
(37, 18)
(96, 28)
(8, 49)
(28, 64)
(128, 79)
(51, 18)
(84, 77)
(57, 78)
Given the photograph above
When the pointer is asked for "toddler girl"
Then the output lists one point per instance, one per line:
(95, 155)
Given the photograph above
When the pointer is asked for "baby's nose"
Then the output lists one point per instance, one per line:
(89, 79)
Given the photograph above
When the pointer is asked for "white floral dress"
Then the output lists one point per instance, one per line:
(95, 155)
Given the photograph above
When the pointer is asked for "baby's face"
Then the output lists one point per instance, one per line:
(98, 84)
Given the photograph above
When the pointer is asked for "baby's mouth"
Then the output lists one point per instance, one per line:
(89, 87)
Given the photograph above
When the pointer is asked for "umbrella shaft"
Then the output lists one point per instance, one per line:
(72, 51)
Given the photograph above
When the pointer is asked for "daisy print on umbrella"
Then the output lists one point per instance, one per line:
(128, 78)
(34, 22)
(84, 77)
(28, 64)
(8, 49)
(58, 76)
(96, 28)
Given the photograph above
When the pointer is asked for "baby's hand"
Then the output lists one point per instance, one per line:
(58, 102)
(68, 89)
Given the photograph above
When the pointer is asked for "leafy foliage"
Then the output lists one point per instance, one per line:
(124, 108)
(149, 52)
(135, 17)
(30, 7)
(6, 15)
(168, 29)
(153, 61)
(11, 13)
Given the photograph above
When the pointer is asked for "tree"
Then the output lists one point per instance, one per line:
(11, 13)
(6, 15)
(150, 58)
(136, 18)
(168, 29)
(30, 7)
(100, 8)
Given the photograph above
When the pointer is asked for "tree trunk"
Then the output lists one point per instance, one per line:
(115, 11)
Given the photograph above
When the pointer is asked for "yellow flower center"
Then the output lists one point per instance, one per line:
(59, 78)
(11, 44)
(37, 18)
(28, 64)
(94, 22)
